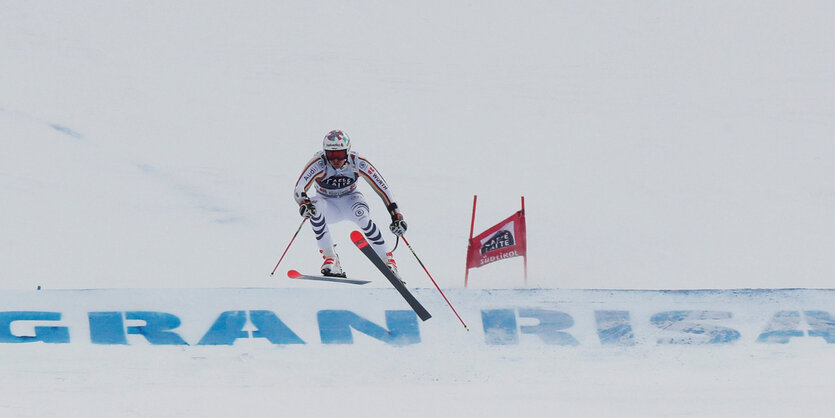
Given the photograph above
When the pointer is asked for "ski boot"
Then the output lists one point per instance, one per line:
(392, 265)
(331, 266)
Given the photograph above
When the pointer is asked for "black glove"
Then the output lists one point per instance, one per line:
(398, 225)
(306, 208)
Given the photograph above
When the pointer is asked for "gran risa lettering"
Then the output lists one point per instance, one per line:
(401, 327)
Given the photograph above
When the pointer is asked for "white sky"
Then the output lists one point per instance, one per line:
(659, 145)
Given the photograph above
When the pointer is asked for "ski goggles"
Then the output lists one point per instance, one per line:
(336, 155)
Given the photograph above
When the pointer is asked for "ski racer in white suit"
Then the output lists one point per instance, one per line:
(335, 172)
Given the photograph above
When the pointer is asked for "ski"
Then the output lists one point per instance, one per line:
(293, 274)
(362, 244)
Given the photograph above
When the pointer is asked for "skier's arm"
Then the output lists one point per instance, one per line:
(373, 177)
(378, 183)
(315, 168)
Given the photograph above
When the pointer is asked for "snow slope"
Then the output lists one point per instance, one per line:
(361, 352)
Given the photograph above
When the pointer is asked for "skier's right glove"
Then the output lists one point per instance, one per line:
(306, 208)
(398, 225)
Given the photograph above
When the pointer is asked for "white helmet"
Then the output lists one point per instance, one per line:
(336, 141)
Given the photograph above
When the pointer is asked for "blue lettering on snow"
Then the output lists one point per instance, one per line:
(157, 328)
(109, 327)
(685, 322)
(782, 327)
(229, 327)
(785, 324)
(822, 324)
(550, 324)
(335, 327)
(614, 328)
(500, 326)
(52, 335)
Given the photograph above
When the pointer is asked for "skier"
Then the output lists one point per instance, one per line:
(334, 172)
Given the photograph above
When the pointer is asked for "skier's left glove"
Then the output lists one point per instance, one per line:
(398, 225)
(306, 208)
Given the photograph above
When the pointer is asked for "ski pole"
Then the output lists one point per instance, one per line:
(288, 246)
(433, 282)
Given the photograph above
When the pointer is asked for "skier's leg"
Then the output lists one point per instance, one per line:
(362, 217)
(320, 225)
(324, 211)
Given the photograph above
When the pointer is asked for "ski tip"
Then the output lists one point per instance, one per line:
(293, 274)
(358, 239)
